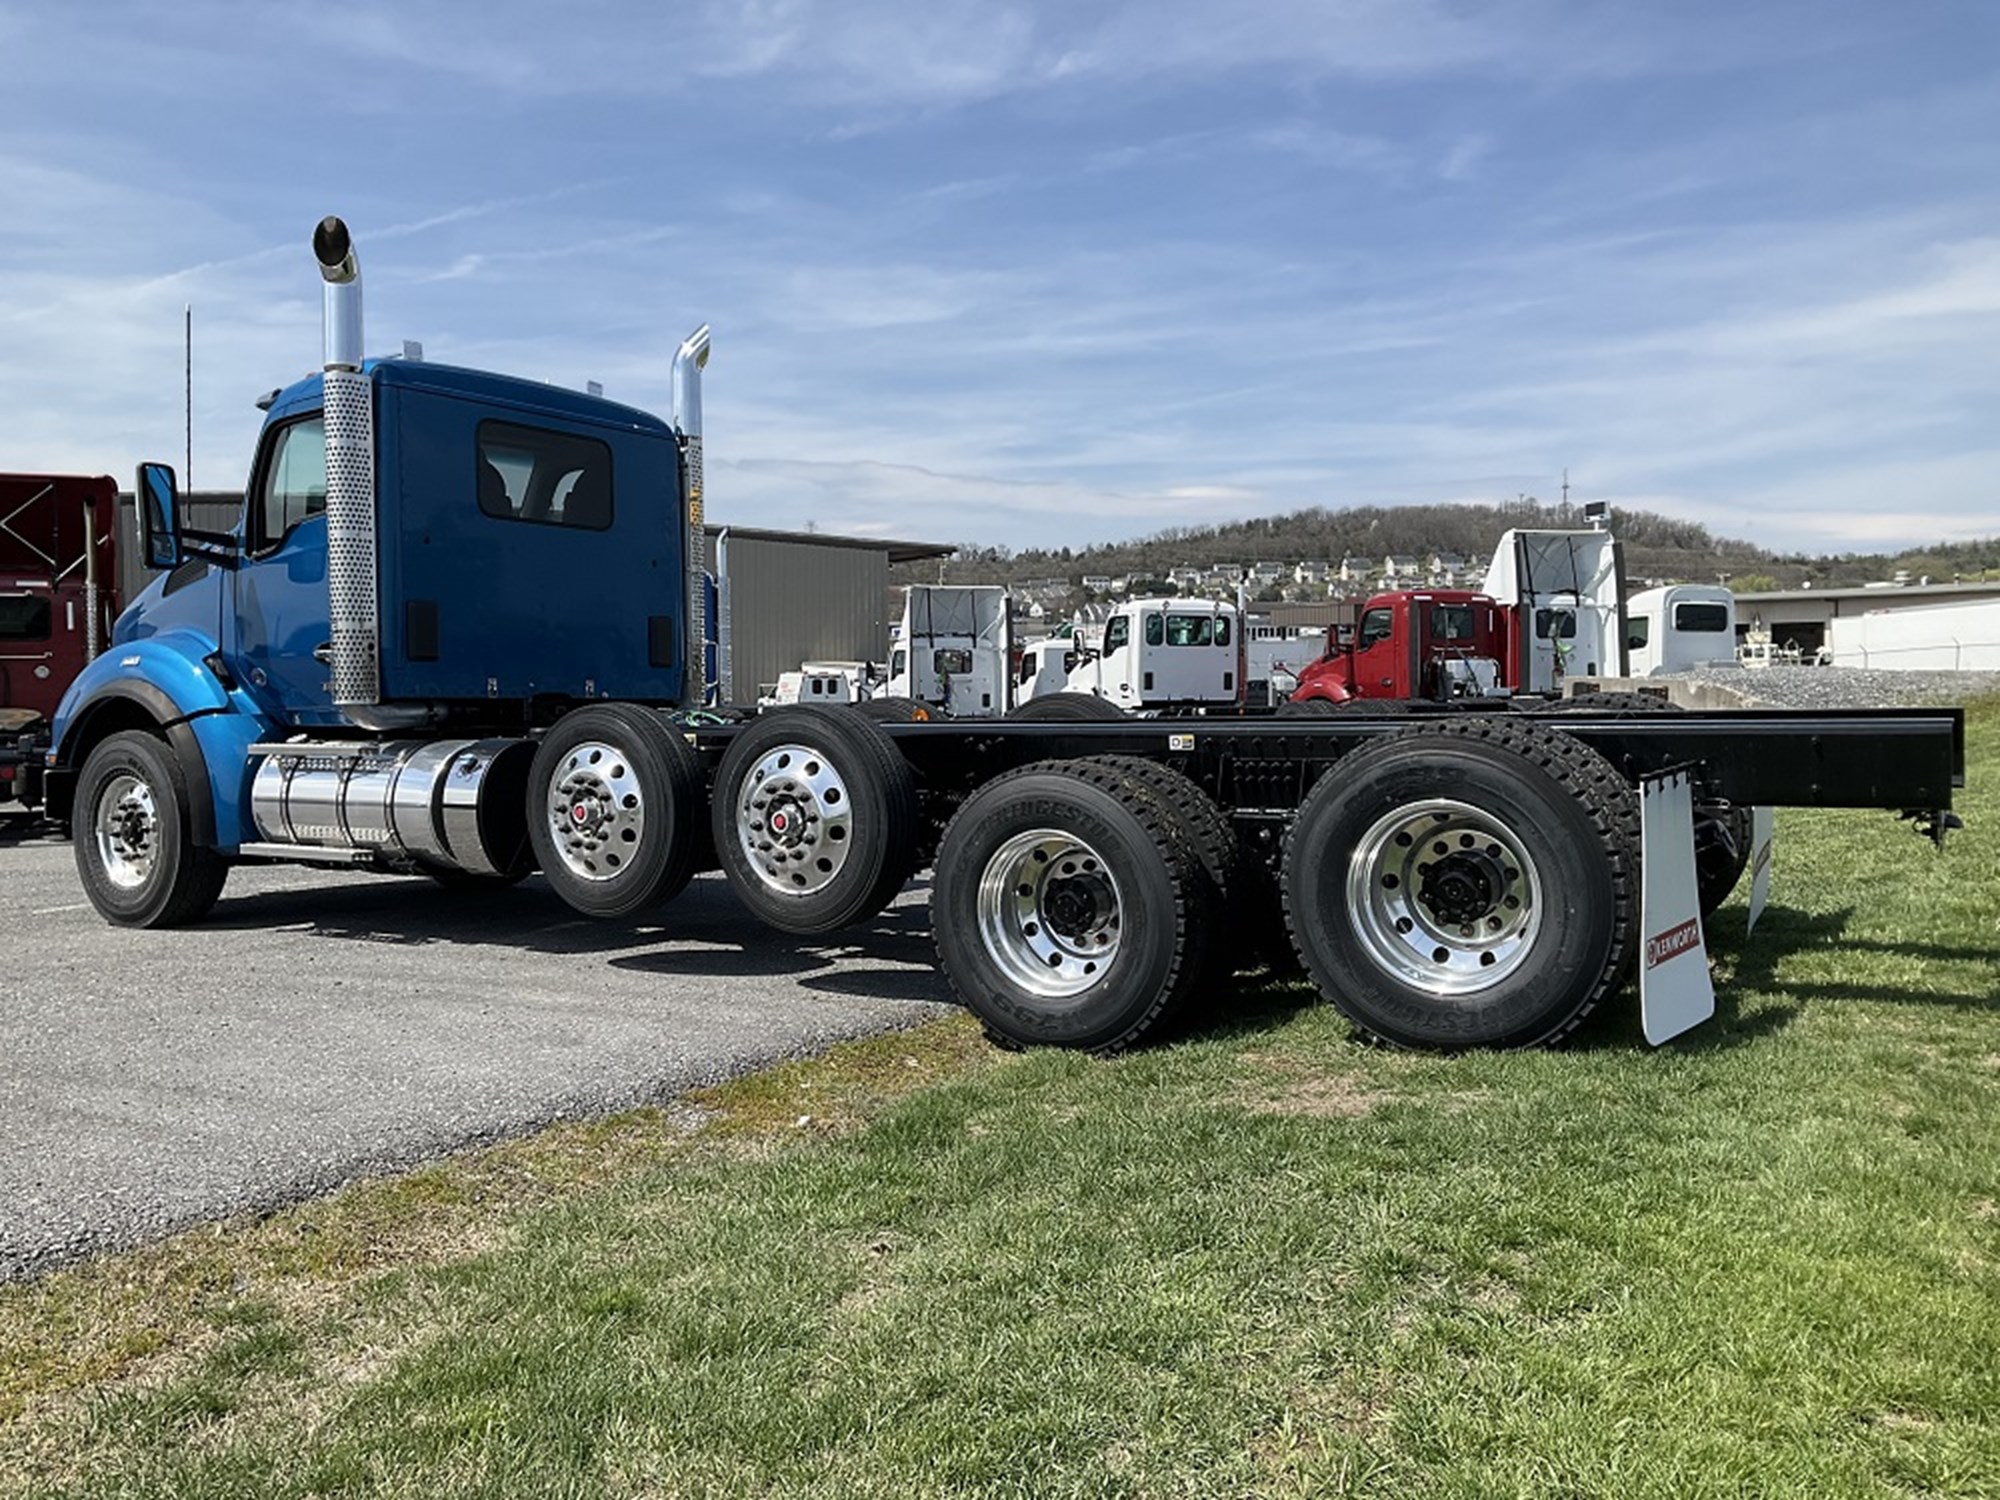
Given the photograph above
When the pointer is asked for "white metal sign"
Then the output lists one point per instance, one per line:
(1675, 990)
(1763, 830)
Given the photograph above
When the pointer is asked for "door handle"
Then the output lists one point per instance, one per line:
(323, 653)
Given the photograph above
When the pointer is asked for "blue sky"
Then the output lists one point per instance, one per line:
(1053, 274)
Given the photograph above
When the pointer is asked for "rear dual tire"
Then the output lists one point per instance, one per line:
(1070, 908)
(614, 795)
(815, 818)
(1469, 884)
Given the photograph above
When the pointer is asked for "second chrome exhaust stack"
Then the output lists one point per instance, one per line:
(689, 361)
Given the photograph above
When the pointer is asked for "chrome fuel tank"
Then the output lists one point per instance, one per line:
(454, 804)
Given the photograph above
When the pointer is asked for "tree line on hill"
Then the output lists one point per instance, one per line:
(1656, 546)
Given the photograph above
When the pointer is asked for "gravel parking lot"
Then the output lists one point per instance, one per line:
(322, 1025)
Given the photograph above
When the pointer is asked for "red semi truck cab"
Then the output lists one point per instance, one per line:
(58, 597)
(1416, 643)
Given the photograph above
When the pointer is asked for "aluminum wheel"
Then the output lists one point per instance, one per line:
(1050, 913)
(1445, 897)
(597, 811)
(128, 831)
(794, 819)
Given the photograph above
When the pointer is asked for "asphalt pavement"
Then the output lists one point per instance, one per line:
(322, 1025)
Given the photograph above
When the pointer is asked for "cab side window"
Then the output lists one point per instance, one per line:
(294, 480)
(552, 478)
(1376, 625)
(1117, 634)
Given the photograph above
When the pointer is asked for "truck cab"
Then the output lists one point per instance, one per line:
(443, 557)
(1678, 627)
(1436, 643)
(1151, 653)
(58, 594)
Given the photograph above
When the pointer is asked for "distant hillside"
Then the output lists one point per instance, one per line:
(1656, 546)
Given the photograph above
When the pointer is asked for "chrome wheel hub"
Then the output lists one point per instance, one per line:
(597, 812)
(1444, 896)
(128, 831)
(794, 820)
(1050, 913)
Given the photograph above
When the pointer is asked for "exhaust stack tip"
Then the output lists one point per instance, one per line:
(333, 248)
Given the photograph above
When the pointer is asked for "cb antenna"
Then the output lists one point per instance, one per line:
(187, 386)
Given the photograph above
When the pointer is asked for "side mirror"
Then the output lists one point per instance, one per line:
(1343, 636)
(157, 495)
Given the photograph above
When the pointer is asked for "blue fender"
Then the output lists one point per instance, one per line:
(210, 724)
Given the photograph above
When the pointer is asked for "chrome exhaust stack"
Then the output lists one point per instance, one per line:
(352, 584)
(689, 361)
(333, 248)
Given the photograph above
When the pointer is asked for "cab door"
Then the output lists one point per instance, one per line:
(1118, 668)
(1379, 653)
(280, 587)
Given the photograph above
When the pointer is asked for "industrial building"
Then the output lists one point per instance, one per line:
(785, 596)
(1804, 617)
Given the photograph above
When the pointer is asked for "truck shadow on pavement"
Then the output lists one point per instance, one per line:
(703, 932)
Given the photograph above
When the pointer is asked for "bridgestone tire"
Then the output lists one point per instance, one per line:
(1722, 835)
(1721, 832)
(897, 710)
(1117, 862)
(1527, 821)
(1069, 708)
(133, 841)
(628, 792)
(1599, 703)
(837, 835)
(1241, 906)
(1326, 708)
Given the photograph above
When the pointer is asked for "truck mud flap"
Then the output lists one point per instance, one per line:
(1763, 831)
(1676, 992)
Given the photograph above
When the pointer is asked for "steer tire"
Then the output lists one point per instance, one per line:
(1111, 854)
(1308, 708)
(133, 836)
(1509, 849)
(1069, 708)
(848, 803)
(614, 801)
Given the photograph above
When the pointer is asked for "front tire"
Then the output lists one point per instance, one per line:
(133, 836)
(1472, 884)
(614, 797)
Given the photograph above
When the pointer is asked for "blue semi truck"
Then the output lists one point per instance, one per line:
(459, 630)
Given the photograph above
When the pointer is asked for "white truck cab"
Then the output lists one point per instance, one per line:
(951, 650)
(1152, 653)
(1679, 627)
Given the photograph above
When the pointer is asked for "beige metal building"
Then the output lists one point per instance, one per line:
(793, 596)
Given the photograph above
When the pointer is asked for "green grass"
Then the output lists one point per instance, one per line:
(1264, 1261)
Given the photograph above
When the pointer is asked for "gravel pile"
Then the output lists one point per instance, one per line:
(1848, 687)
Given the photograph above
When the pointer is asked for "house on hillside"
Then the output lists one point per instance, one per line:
(1264, 574)
(1097, 583)
(1310, 572)
(1356, 569)
(1446, 568)
(1400, 568)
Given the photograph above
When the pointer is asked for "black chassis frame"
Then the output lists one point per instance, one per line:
(1907, 760)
